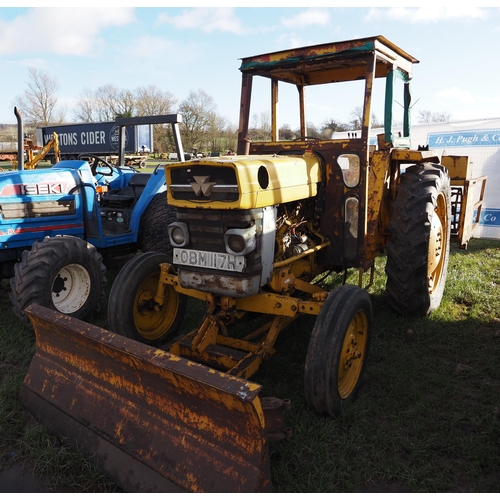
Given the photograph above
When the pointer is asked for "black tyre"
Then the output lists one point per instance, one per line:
(418, 247)
(63, 273)
(153, 234)
(338, 349)
(132, 309)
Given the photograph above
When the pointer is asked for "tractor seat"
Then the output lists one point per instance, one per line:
(138, 182)
(129, 194)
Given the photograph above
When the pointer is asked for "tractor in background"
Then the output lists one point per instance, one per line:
(59, 225)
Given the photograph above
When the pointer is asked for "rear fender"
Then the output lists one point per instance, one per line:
(155, 185)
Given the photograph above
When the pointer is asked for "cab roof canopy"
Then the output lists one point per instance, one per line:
(330, 62)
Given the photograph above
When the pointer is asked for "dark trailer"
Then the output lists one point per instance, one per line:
(102, 139)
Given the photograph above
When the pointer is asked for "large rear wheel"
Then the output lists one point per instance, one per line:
(418, 247)
(338, 349)
(63, 273)
(132, 309)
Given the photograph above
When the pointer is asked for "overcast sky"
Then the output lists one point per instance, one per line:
(189, 48)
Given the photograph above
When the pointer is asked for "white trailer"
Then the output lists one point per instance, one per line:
(479, 140)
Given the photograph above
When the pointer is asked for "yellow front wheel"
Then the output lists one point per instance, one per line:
(338, 349)
(132, 309)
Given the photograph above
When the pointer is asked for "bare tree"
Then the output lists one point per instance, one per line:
(109, 102)
(334, 125)
(356, 118)
(265, 125)
(105, 100)
(426, 116)
(376, 123)
(38, 105)
(151, 101)
(96, 105)
(260, 129)
(197, 114)
(312, 131)
(86, 106)
(112, 102)
(125, 104)
(286, 133)
(222, 135)
(105, 104)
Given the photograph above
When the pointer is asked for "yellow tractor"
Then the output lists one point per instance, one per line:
(34, 154)
(251, 235)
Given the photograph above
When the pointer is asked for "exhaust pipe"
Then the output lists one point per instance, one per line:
(20, 140)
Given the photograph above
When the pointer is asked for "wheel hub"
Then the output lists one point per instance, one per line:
(435, 243)
(437, 247)
(351, 353)
(351, 356)
(71, 288)
(59, 283)
(146, 303)
(152, 321)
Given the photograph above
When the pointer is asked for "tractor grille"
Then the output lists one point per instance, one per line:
(207, 228)
(37, 209)
(204, 184)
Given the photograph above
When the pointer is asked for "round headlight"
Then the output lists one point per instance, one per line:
(177, 235)
(236, 243)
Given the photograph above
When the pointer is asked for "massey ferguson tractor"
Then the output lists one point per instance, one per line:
(251, 234)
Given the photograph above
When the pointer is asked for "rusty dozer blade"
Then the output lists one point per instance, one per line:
(154, 421)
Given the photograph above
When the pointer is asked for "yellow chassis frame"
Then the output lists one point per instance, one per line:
(240, 357)
(211, 344)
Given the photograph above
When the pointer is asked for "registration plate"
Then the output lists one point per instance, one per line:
(210, 260)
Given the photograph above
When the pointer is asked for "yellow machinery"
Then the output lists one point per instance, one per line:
(34, 158)
(250, 233)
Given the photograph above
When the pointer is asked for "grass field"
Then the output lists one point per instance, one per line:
(427, 418)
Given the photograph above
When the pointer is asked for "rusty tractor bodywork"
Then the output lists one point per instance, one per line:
(250, 234)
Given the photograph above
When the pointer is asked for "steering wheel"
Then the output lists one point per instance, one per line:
(98, 162)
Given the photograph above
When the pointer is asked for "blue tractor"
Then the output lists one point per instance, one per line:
(60, 225)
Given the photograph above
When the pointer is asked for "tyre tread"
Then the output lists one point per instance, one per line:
(31, 283)
(409, 231)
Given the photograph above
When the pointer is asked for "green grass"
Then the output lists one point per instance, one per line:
(23, 441)
(427, 418)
